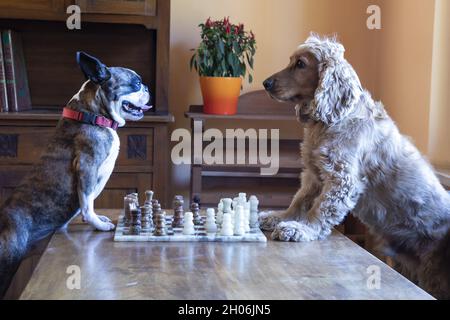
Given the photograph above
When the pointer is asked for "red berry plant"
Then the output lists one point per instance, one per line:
(226, 50)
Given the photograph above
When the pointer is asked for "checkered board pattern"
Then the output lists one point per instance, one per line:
(176, 234)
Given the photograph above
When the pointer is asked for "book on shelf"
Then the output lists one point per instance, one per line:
(3, 92)
(16, 74)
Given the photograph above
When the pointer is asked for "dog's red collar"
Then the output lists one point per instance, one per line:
(90, 118)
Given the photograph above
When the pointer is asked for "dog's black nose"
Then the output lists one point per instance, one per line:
(268, 83)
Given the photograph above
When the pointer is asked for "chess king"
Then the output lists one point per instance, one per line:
(76, 165)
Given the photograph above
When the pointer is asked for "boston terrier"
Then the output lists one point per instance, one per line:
(76, 165)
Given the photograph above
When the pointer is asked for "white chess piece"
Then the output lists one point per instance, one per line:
(247, 217)
(219, 216)
(254, 202)
(210, 223)
(235, 203)
(239, 229)
(227, 205)
(188, 226)
(227, 228)
(242, 198)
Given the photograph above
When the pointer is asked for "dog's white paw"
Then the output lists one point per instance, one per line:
(293, 231)
(100, 223)
(104, 218)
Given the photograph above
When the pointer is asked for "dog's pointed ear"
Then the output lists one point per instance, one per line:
(92, 68)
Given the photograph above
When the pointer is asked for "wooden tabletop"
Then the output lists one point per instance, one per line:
(335, 268)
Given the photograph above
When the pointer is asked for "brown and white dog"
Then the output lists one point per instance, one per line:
(357, 161)
(76, 165)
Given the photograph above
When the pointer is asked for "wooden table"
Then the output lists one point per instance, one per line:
(335, 268)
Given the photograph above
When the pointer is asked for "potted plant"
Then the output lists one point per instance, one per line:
(222, 59)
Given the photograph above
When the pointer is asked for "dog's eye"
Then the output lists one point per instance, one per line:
(301, 64)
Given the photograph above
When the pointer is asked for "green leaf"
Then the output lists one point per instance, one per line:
(250, 78)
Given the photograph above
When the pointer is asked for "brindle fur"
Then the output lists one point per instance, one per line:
(48, 198)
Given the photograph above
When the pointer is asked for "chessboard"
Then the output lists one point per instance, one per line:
(176, 234)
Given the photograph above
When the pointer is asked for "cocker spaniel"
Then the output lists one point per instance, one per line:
(356, 160)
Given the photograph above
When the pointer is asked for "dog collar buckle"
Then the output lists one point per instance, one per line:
(90, 118)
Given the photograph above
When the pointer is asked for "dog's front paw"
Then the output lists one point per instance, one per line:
(104, 218)
(100, 223)
(268, 222)
(293, 231)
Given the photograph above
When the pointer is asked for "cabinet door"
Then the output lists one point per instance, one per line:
(129, 7)
(121, 184)
(40, 5)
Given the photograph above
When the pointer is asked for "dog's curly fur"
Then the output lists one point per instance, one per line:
(357, 161)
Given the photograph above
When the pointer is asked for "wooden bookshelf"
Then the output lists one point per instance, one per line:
(132, 34)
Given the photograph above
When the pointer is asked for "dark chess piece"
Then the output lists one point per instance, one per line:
(160, 226)
(196, 199)
(147, 218)
(156, 207)
(195, 209)
(135, 223)
(178, 212)
(130, 201)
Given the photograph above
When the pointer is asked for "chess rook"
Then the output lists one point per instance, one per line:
(135, 223)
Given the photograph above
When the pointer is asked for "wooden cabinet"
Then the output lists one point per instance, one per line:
(128, 33)
(24, 136)
(37, 5)
(131, 7)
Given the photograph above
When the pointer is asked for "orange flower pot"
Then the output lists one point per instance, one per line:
(220, 94)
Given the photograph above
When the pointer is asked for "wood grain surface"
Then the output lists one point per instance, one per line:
(335, 268)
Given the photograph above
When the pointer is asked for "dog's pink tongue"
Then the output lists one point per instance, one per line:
(145, 107)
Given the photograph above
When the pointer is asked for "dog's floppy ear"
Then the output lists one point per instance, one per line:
(93, 69)
(338, 91)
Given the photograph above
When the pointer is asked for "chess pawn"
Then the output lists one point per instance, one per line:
(160, 226)
(210, 223)
(188, 226)
(239, 222)
(195, 209)
(135, 224)
(254, 217)
(148, 197)
(178, 215)
(227, 227)
(147, 218)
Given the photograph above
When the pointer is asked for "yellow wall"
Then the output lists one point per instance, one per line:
(403, 76)
(439, 128)
(394, 63)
